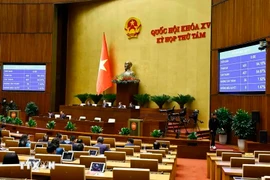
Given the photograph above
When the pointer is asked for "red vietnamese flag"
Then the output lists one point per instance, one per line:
(104, 79)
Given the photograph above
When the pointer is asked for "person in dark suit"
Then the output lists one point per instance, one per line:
(62, 115)
(45, 138)
(24, 142)
(130, 142)
(104, 104)
(120, 105)
(213, 125)
(156, 145)
(59, 137)
(102, 147)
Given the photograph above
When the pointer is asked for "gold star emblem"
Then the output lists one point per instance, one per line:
(101, 64)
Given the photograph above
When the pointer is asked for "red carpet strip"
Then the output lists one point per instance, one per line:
(191, 169)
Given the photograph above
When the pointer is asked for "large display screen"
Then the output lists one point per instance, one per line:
(242, 70)
(24, 77)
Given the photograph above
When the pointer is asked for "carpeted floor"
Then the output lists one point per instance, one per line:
(191, 169)
(195, 169)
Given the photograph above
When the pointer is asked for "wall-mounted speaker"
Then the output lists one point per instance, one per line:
(263, 136)
(255, 116)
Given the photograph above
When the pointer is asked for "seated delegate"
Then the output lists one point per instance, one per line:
(11, 158)
(24, 142)
(102, 147)
(130, 142)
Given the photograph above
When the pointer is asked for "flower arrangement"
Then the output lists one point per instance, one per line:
(123, 79)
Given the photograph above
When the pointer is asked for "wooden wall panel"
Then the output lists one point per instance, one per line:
(32, 18)
(26, 47)
(43, 1)
(216, 2)
(238, 22)
(11, 18)
(38, 18)
(214, 73)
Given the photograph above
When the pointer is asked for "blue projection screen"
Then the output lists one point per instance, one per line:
(18, 77)
(242, 70)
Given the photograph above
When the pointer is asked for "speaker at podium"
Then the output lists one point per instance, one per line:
(136, 127)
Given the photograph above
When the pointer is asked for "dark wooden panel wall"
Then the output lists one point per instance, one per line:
(26, 36)
(236, 22)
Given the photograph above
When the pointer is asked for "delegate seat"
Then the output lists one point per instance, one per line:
(115, 155)
(87, 148)
(87, 160)
(151, 164)
(151, 156)
(5, 133)
(220, 151)
(136, 148)
(39, 136)
(3, 153)
(20, 150)
(255, 170)
(41, 150)
(256, 153)
(86, 140)
(158, 151)
(5, 138)
(129, 151)
(15, 171)
(264, 158)
(239, 161)
(66, 147)
(77, 154)
(12, 143)
(226, 156)
(49, 157)
(110, 141)
(131, 173)
(69, 172)
(137, 142)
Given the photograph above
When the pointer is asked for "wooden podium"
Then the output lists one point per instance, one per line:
(125, 93)
(136, 127)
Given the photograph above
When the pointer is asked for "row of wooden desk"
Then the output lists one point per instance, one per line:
(109, 164)
(108, 175)
(221, 170)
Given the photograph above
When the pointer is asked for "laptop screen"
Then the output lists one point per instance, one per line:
(97, 167)
(67, 156)
(93, 152)
(39, 145)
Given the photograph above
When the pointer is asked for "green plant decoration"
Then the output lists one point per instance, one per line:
(193, 135)
(82, 97)
(32, 123)
(96, 129)
(109, 97)
(50, 124)
(142, 99)
(18, 121)
(156, 133)
(70, 126)
(224, 117)
(160, 100)
(95, 98)
(31, 109)
(243, 125)
(183, 99)
(124, 131)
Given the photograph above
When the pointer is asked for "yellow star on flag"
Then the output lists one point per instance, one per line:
(101, 64)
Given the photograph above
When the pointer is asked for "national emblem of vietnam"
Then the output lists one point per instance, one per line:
(133, 27)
